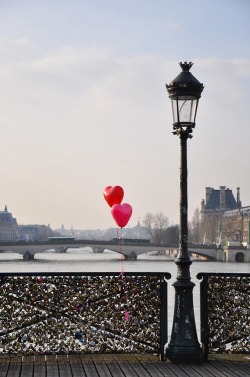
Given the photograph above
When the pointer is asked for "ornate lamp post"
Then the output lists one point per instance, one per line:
(184, 91)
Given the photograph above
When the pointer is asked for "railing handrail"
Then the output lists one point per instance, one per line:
(167, 275)
(200, 275)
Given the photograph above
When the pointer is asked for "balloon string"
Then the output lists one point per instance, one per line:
(121, 276)
(120, 245)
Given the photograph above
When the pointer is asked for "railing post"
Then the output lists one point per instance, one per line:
(204, 313)
(163, 316)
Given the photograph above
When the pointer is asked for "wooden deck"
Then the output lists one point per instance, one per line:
(121, 365)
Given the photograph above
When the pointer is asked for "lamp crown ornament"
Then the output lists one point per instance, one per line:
(186, 66)
(185, 84)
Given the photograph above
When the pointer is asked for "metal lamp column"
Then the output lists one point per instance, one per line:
(184, 92)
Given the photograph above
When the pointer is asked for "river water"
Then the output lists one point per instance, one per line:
(84, 260)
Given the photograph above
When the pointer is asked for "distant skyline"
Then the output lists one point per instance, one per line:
(84, 106)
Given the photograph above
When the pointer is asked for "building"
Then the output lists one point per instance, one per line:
(8, 226)
(138, 232)
(215, 211)
(35, 232)
(11, 231)
(235, 227)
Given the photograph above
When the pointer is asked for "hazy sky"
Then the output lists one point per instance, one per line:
(84, 106)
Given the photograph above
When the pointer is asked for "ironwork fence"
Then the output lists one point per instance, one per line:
(225, 312)
(78, 312)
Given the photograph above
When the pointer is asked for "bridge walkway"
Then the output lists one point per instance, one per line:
(120, 365)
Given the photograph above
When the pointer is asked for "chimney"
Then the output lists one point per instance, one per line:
(208, 193)
(222, 197)
(202, 204)
(238, 197)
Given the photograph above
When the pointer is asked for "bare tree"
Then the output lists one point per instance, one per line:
(195, 227)
(160, 224)
(155, 225)
(148, 222)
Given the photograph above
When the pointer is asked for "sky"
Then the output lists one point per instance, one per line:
(83, 106)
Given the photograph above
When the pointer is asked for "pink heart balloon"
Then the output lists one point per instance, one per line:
(121, 214)
(113, 195)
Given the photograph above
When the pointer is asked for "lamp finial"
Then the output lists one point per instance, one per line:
(186, 66)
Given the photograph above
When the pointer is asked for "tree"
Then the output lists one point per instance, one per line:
(148, 222)
(160, 224)
(172, 235)
(156, 225)
(195, 228)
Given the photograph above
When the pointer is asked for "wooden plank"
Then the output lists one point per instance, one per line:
(52, 366)
(76, 366)
(188, 370)
(201, 369)
(113, 367)
(163, 367)
(241, 360)
(177, 370)
(165, 370)
(222, 369)
(245, 367)
(4, 366)
(88, 365)
(15, 367)
(194, 371)
(101, 366)
(64, 366)
(235, 367)
(159, 366)
(39, 366)
(137, 366)
(229, 357)
(213, 369)
(125, 365)
(27, 366)
(118, 365)
(149, 366)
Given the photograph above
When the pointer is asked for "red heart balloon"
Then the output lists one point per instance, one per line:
(113, 195)
(121, 214)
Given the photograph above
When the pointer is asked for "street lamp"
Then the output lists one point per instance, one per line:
(184, 92)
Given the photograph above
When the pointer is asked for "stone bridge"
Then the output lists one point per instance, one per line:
(128, 249)
(224, 254)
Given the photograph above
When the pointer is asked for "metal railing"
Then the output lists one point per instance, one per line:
(44, 313)
(225, 312)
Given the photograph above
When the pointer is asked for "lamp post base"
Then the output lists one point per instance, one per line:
(187, 355)
(184, 346)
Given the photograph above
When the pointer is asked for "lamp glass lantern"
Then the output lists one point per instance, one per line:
(184, 110)
(184, 92)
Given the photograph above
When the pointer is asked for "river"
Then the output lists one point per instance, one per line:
(84, 260)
